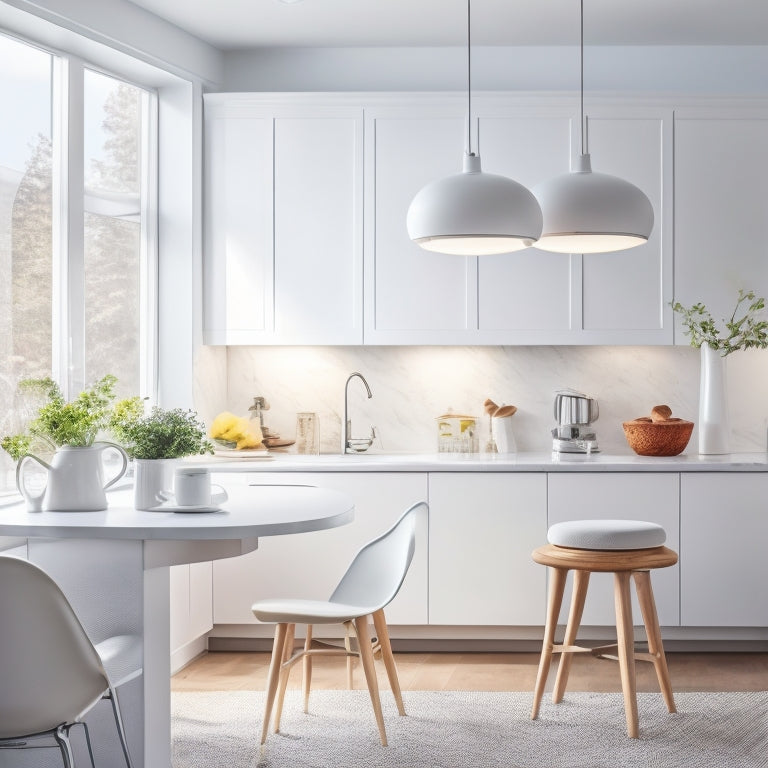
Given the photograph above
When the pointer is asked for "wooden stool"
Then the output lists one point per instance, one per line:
(622, 547)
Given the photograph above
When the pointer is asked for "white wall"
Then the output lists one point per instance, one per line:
(413, 385)
(660, 69)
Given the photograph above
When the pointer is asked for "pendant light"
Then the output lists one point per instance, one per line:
(586, 212)
(473, 213)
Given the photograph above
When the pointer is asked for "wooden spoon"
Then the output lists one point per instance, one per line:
(505, 410)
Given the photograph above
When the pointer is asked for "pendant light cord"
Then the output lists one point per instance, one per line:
(469, 78)
(582, 123)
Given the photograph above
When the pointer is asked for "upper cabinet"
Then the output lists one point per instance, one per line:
(283, 222)
(413, 296)
(721, 206)
(306, 197)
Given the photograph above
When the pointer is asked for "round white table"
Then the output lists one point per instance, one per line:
(114, 568)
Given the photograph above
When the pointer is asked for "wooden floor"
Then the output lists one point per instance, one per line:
(484, 672)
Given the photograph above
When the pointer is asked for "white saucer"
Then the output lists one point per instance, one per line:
(167, 507)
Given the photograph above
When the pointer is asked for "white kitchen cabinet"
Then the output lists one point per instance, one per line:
(414, 296)
(625, 295)
(647, 496)
(191, 610)
(723, 531)
(482, 530)
(721, 199)
(311, 564)
(283, 222)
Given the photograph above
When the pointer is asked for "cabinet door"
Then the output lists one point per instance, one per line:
(721, 199)
(310, 565)
(525, 297)
(412, 296)
(191, 605)
(626, 294)
(283, 223)
(621, 496)
(723, 568)
(237, 258)
(482, 530)
(318, 196)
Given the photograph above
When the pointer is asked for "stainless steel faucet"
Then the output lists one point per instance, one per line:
(346, 424)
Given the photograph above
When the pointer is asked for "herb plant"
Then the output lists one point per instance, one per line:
(745, 330)
(160, 434)
(58, 422)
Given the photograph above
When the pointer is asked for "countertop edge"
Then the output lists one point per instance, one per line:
(520, 462)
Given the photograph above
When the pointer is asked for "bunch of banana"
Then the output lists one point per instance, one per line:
(235, 431)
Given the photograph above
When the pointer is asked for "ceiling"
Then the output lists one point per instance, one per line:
(242, 24)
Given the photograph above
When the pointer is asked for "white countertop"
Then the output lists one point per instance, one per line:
(484, 462)
(250, 512)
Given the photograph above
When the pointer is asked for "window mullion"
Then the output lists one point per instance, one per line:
(68, 260)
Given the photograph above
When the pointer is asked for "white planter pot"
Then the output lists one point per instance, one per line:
(150, 477)
(503, 435)
(714, 430)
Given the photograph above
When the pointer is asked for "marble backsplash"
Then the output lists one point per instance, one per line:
(411, 386)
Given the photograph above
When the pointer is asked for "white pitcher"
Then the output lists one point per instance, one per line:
(75, 479)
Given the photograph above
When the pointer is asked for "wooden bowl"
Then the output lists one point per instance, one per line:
(658, 438)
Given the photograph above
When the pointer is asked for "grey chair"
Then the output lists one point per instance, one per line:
(51, 674)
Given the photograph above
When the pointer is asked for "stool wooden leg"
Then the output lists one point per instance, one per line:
(273, 676)
(653, 632)
(306, 668)
(580, 584)
(366, 657)
(380, 623)
(626, 648)
(557, 578)
(284, 674)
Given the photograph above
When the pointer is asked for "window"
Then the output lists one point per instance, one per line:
(77, 192)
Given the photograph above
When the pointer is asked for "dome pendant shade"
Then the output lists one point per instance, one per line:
(586, 212)
(474, 214)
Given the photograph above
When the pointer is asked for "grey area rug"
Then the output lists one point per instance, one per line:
(463, 729)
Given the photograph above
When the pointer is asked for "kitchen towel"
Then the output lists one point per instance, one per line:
(445, 729)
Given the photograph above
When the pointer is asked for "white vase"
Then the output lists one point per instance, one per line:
(714, 431)
(503, 435)
(150, 476)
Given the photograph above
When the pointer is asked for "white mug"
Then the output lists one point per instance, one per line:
(192, 488)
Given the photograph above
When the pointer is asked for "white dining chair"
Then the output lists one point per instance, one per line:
(371, 582)
(51, 674)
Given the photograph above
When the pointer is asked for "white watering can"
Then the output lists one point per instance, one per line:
(75, 479)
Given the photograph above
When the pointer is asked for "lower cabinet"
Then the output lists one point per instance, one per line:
(651, 496)
(310, 565)
(482, 529)
(191, 608)
(723, 534)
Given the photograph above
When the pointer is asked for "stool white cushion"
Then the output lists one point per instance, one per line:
(606, 534)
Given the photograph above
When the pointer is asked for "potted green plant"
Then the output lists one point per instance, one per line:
(68, 430)
(155, 441)
(747, 328)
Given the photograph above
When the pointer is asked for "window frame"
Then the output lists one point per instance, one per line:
(173, 290)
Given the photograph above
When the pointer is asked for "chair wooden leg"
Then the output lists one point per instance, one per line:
(557, 578)
(273, 676)
(306, 669)
(580, 584)
(284, 675)
(653, 632)
(348, 630)
(380, 623)
(366, 657)
(626, 649)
